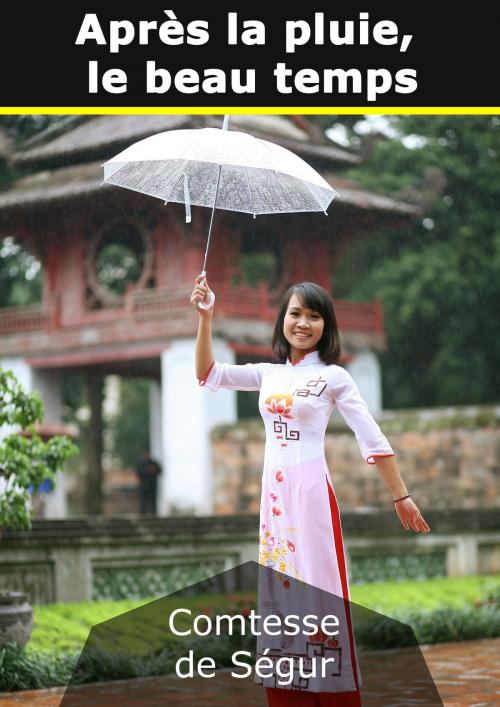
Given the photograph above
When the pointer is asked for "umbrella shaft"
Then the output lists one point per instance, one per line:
(211, 221)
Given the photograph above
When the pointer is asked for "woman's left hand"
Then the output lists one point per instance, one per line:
(410, 516)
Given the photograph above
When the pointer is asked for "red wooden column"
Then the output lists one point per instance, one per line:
(169, 247)
(69, 262)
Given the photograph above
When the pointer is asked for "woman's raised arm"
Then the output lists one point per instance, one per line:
(204, 356)
(218, 375)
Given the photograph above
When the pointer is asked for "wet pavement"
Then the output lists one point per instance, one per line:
(467, 674)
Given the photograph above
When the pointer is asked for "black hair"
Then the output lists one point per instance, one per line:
(318, 300)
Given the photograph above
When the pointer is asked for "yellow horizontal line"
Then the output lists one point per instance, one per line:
(248, 110)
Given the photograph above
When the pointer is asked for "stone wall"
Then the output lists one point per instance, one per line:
(449, 458)
(98, 557)
(132, 557)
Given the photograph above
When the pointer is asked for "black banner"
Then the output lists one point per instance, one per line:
(319, 57)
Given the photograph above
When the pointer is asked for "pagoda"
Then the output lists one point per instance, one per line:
(75, 225)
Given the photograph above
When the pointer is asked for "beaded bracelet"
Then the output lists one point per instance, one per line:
(402, 498)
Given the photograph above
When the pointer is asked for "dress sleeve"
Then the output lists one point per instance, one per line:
(233, 377)
(372, 442)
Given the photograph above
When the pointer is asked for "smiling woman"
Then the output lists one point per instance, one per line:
(303, 327)
(300, 528)
(306, 322)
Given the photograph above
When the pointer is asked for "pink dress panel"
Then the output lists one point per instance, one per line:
(300, 531)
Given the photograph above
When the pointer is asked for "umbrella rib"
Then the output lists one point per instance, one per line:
(177, 181)
(193, 141)
(250, 191)
(315, 197)
(191, 144)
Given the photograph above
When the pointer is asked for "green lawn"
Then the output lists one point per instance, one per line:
(389, 597)
(64, 627)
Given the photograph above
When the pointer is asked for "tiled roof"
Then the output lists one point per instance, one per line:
(106, 134)
(69, 182)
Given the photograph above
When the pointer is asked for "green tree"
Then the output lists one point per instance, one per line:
(25, 460)
(20, 271)
(20, 274)
(438, 280)
(22, 127)
(130, 427)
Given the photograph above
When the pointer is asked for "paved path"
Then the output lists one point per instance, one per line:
(467, 674)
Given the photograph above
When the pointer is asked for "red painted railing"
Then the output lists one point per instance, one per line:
(149, 304)
(241, 302)
(26, 318)
(245, 302)
(360, 316)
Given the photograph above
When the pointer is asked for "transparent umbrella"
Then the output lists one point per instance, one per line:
(219, 168)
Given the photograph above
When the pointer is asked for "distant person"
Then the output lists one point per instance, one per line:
(39, 498)
(148, 470)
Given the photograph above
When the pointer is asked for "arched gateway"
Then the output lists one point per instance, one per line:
(141, 324)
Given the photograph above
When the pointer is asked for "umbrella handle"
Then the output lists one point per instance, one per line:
(211, 296)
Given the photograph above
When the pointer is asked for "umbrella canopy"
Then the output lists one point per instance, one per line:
(222, 169)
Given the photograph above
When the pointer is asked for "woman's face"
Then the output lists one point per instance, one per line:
(302, 327)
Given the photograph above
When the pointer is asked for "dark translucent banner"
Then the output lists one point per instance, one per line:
(277, 638)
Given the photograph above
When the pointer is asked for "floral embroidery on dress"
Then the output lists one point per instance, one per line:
(280, 404)
(275, 551)
(280, 476)
(273, 554)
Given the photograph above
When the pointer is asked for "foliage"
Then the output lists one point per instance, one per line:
(14, 129)
(429, 594)
(25, 460)
(119, 259)
(258, 267)
(20, 670)
(433, 626)
(438, 279)
(20, 274)
(64, 627)
(449, 609)
(21, 127)
(30, 670)
(130, 426)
